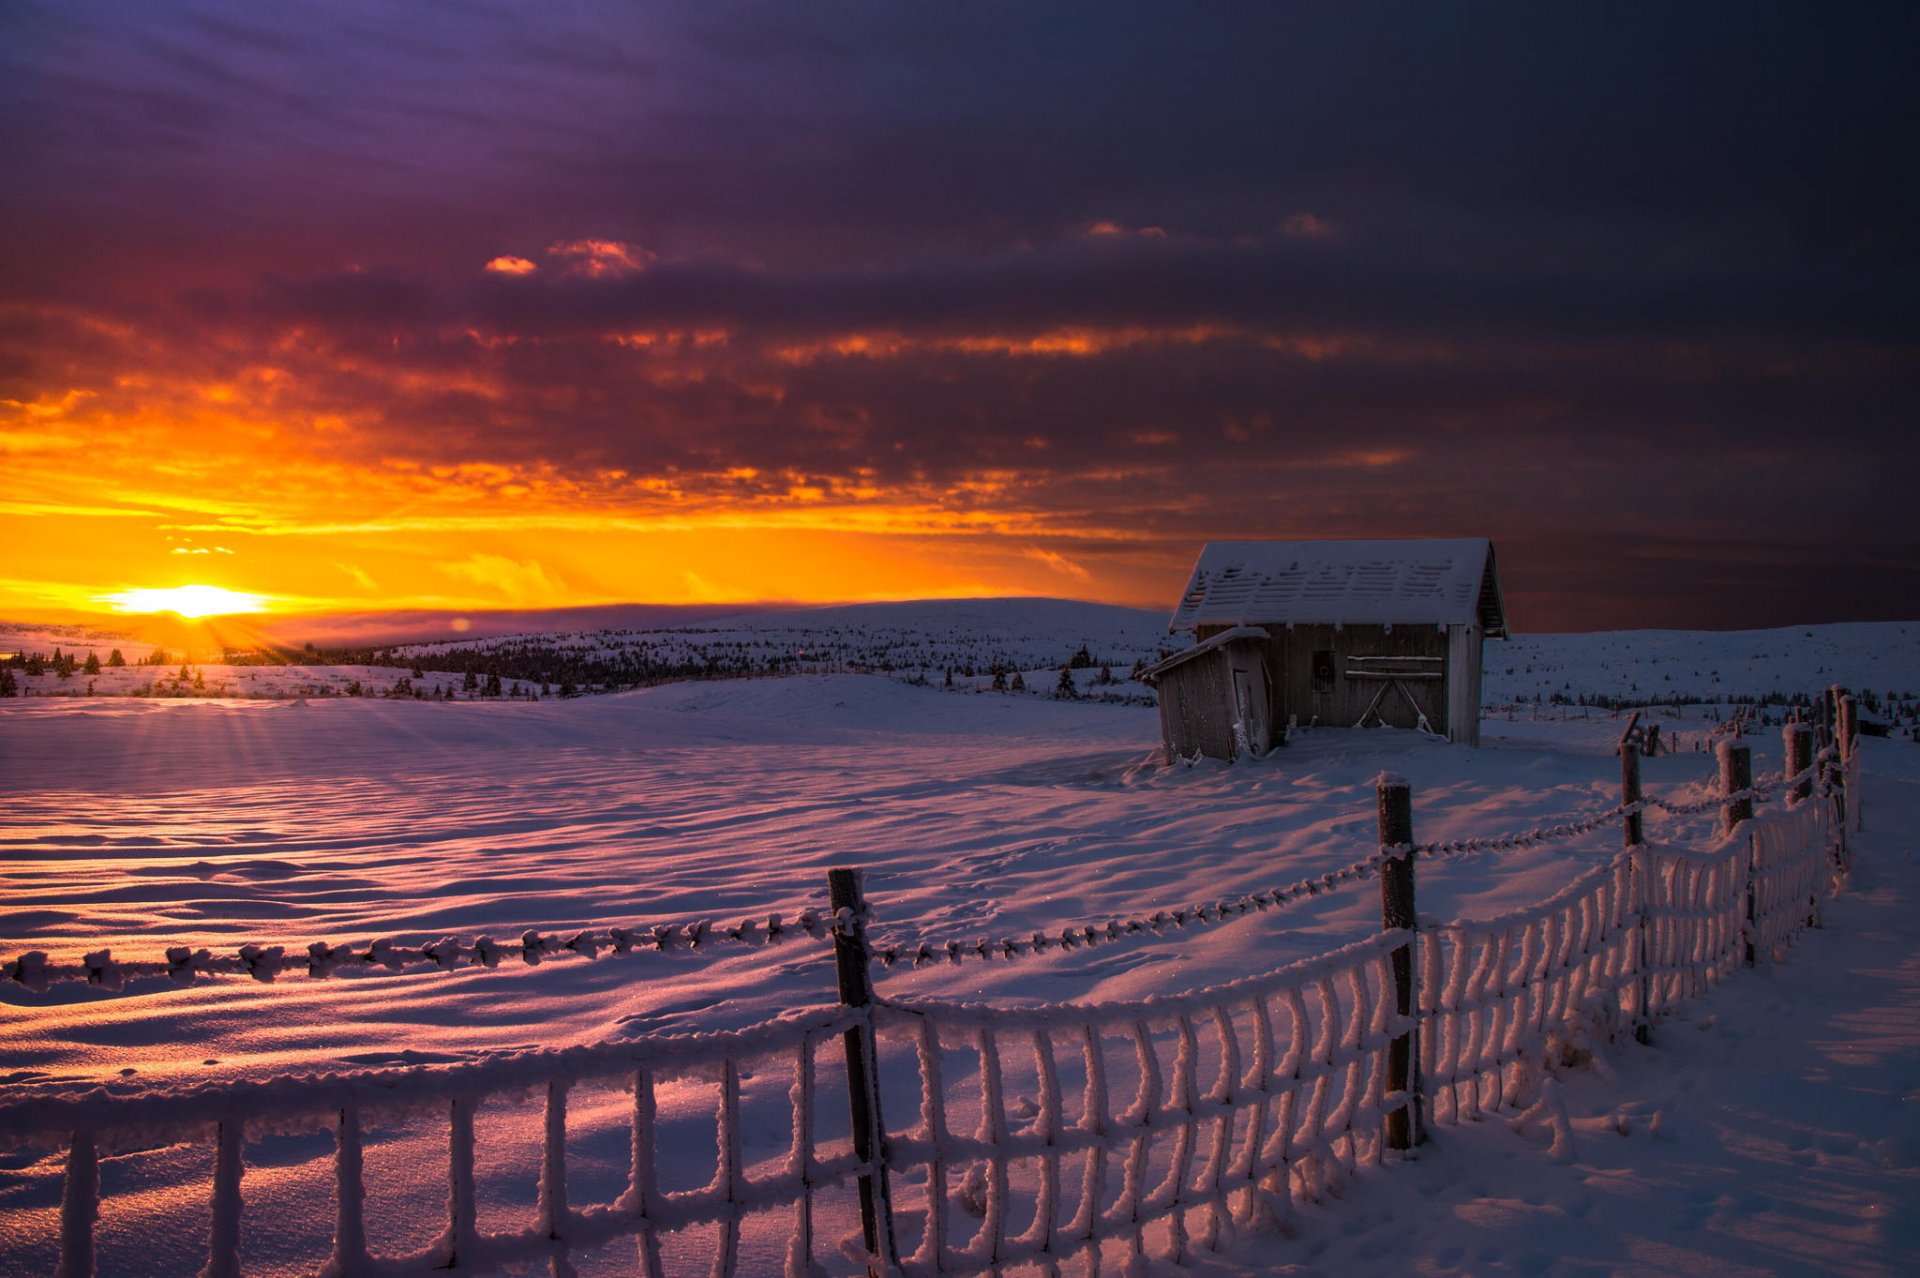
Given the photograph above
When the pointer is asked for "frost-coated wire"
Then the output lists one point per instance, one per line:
(183, 965)
(1160, 922)
(1760, 793)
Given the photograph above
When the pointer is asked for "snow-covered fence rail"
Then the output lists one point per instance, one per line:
(781, 1071)
(1039, 1134)
(1501, 999)
(973, 1138)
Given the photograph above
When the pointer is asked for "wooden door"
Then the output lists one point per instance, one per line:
(1250, 703)
(1401, 691)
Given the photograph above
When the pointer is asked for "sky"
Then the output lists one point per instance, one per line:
(360, 307)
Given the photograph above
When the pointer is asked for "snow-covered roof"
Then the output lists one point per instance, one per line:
(1442, 583)
(1220, 640)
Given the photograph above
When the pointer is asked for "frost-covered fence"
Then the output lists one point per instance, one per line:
(1042, 1135)
(1108, 1133)
(1098, 1133)
(786, 1073)
(1502, 999)
(1625, 942)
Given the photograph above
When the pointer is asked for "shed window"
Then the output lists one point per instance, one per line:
(1323, 669)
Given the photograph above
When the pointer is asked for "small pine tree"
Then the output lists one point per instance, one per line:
(1064, 689)
(115, 660)
(93, 665)
(1018, 682)
(8, 688)
(999, 680)
(1105, 676)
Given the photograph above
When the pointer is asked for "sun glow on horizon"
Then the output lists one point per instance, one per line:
(192, 602)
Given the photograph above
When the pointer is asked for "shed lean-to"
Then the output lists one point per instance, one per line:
(1328, 633)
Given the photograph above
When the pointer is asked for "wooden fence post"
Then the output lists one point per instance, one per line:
(1798, 738)
(1836, 778)
(1848, 737)
(1799, 742)
(1642, 886)
(79, 1208)
(1406, 1127)
(852, 965)
(1736, 779)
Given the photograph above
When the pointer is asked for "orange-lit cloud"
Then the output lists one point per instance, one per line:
(599, 259)
(1059, 563)
(1306, 226)
(520, 582)
(510, 265)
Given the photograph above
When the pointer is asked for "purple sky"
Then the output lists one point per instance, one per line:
(1630, 290)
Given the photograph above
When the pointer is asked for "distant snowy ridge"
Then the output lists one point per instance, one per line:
(985, 643)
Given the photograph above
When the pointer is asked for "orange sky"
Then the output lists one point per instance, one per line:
(236, 484)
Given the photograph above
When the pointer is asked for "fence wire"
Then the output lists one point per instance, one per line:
(320, 960)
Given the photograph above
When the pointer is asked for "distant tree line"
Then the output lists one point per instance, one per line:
(567, 669)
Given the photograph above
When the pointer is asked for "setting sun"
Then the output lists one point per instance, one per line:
(187, 601)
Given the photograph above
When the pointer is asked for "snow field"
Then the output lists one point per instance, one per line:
(973, 816)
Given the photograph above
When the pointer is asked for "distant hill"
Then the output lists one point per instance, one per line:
(982, 641)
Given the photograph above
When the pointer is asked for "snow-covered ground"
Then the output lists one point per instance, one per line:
(1789, 1102)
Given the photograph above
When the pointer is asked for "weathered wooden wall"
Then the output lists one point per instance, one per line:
(1196, 712)
(1466, 647)
(1290, 671)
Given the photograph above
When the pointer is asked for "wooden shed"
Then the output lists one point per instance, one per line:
(1328, 633)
